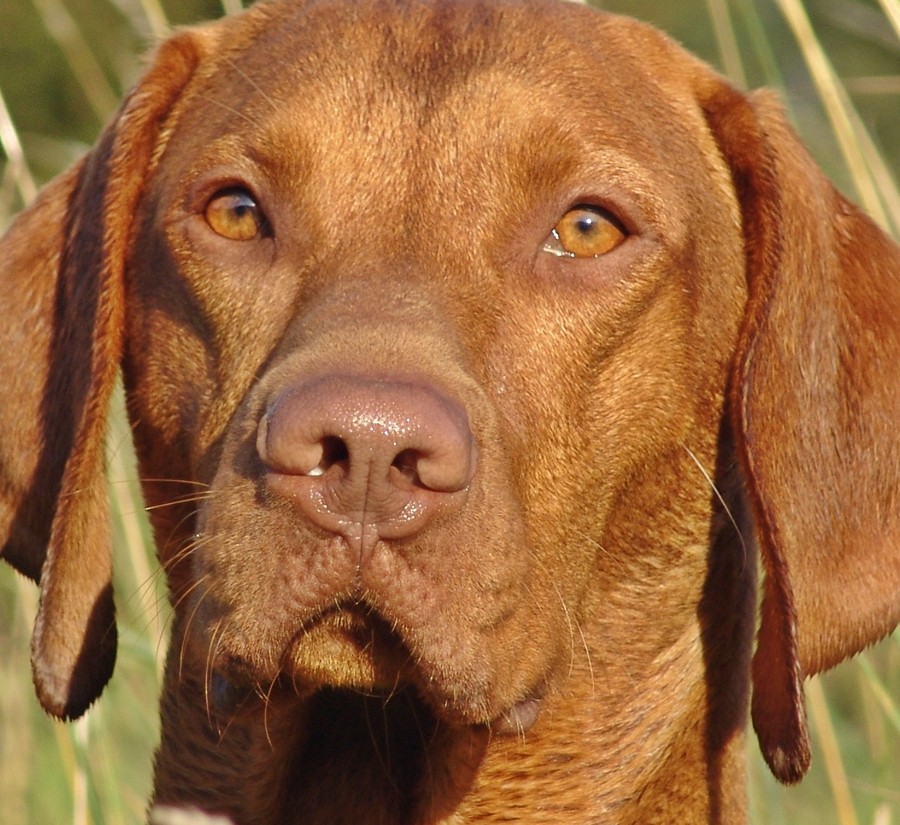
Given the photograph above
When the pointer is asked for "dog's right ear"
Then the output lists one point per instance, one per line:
(61, 337)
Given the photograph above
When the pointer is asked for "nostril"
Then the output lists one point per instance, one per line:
(334, 451)
(286, 445)
(407, 463)
(313, 459)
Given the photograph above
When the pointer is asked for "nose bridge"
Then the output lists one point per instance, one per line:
(394, 319)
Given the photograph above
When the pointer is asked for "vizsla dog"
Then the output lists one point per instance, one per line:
(474, 351)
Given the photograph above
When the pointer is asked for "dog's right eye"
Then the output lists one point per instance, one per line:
(235, 215)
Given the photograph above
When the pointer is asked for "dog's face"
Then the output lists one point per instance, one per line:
(471, 350)
(488, 224)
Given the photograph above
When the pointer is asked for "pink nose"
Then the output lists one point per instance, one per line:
(366, 458)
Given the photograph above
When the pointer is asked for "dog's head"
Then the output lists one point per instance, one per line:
(438, 324)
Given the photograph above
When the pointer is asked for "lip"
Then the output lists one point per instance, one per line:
(348, 647)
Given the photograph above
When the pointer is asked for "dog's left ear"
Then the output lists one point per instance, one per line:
(816, 407)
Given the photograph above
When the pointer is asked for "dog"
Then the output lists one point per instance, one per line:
(476, 354)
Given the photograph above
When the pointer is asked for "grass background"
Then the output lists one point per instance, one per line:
(64, 65)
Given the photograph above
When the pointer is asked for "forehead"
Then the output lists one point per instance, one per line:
(405, 92)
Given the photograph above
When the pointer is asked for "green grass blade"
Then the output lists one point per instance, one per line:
(845, 122)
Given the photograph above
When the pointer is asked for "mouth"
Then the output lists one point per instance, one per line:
(395, 747)
(407, 756)
(350, 650)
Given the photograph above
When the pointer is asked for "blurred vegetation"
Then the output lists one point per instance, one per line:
(63, 66)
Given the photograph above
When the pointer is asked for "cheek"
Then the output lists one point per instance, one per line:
(197, 332)
(589, 393)
(589, 403)
(642, 398)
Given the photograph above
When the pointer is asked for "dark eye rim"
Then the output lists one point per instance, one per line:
(603, 211)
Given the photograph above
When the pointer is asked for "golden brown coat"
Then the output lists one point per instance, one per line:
(546, 613)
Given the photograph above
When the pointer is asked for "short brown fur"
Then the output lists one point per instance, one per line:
(642, 424)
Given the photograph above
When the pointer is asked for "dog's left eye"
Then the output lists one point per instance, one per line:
(585, 232)
(235, 215)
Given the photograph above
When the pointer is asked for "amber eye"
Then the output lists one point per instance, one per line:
(234, 214)
(585, 232)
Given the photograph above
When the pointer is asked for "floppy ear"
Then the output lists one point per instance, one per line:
(62, 304)
(816, 406)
